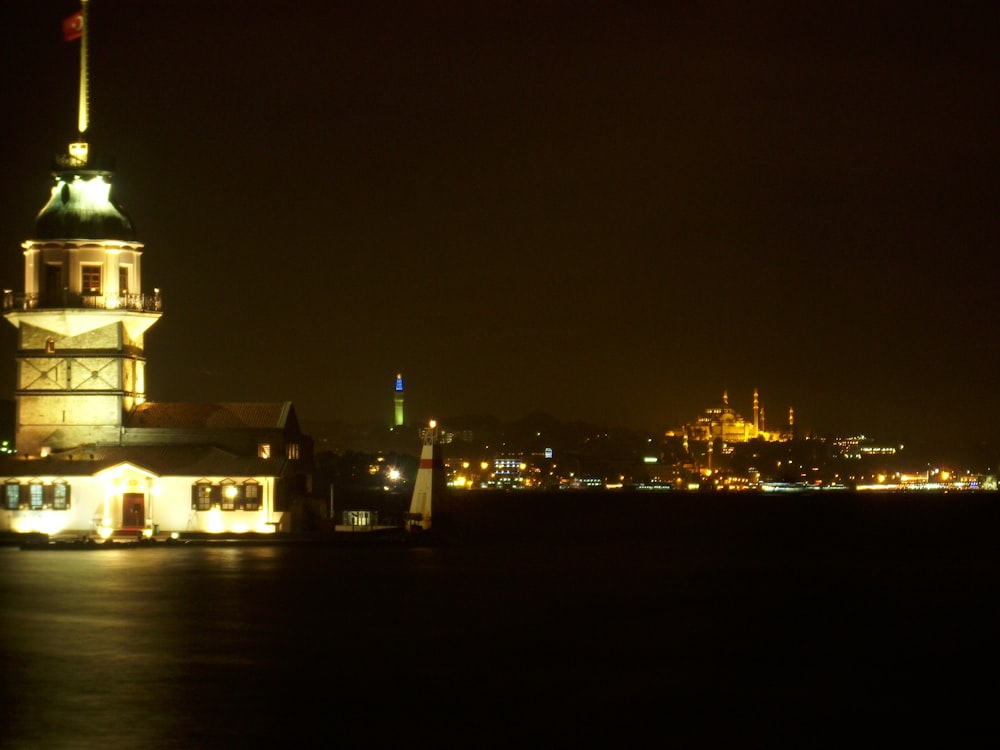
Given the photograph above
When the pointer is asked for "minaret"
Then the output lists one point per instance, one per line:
(398, 402)
(756, 413)
(82, 315)
(430, 479)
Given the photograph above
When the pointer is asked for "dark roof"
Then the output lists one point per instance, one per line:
(189, 461)
(207, 416)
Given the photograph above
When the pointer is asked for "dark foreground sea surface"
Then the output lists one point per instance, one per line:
(673, 620)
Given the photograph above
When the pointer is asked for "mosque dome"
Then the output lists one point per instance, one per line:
(81, 208)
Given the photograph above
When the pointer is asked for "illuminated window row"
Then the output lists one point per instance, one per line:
(226, 495)
(36, 496)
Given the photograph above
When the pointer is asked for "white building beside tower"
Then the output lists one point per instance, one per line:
(94, 456)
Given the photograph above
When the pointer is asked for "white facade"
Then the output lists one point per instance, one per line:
(124, 498)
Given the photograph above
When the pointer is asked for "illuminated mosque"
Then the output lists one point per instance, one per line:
(93, 455)
(722, 422)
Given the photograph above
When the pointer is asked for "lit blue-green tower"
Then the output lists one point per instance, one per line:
(398, 402)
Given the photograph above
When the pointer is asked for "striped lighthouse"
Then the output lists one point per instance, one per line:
(430, 479)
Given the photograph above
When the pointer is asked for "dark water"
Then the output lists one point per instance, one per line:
(692, 622)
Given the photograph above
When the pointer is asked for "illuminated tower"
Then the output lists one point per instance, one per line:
(756, 413)
(82, 315)
(430, 479)
(398, 401)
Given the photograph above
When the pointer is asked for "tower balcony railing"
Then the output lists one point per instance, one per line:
(13, 302)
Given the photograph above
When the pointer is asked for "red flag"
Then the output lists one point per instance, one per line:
(73, 27)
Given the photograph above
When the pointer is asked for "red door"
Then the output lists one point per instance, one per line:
(133, 510)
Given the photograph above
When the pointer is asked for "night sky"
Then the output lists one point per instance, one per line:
(607, 211)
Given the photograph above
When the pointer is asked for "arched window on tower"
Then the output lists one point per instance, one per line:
(52, 289)
(90, 279)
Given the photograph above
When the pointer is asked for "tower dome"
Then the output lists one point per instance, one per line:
(81, 207)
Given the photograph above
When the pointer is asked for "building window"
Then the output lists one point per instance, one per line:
(12, 496)
(35, 495)
(53, 289)
(122, 280)
(292, 451)
(251, 495)
(264, 450)
(90, 279)
(203, 496)
(229, 493)
(60, 495)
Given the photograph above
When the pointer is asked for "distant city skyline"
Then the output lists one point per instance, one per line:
(611, 213)
(721, 423)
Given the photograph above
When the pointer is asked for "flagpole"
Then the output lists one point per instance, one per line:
(84, 116)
